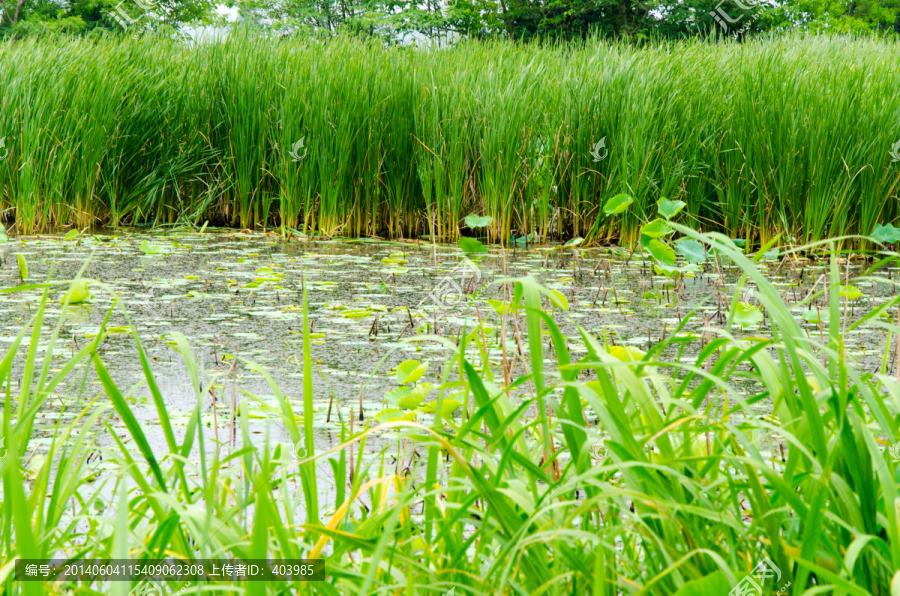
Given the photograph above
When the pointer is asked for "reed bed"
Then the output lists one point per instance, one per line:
(789, 136)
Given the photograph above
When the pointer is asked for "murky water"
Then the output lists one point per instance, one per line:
(238, 300)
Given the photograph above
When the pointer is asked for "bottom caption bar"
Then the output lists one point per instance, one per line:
(128, 570)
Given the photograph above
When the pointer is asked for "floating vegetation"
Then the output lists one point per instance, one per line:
(582, 421)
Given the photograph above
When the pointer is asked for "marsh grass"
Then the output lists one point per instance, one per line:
(788, 136)
(600, 471)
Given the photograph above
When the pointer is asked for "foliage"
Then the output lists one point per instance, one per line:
(637, 472)
(400, 143)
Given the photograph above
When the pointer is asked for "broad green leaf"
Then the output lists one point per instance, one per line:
(392, 414)
(850, 292)
(747, 315)
(886, 234)
(410, 401)
(669, 208)
(661, 251)
(3, 237)
(148, 249)
(656, 229)
(77, 294)
(478, 221)
(447, 408)
(816, 315)
(626, 353)
(714, 584)
(410, 371)
(692, 250)
(471, 245)
(531, 238)
(23, 266)
(499, 307)
(557, 299)
(667, 270)
(573, 242)
(617, 204)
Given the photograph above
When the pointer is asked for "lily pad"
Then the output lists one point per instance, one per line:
(77, 294)
(478, 221)
(656, 229)
(692, 250)
(410, 371)
(626, 353)
(747, 315)
(850, 292)
(617, 204)
(471, 245)
(148, 249)
(393, 414)
(23, 266)
(886, 234)
(661, 251)
(447, 408)
(410, 401)
(669, 208)
(816, 315)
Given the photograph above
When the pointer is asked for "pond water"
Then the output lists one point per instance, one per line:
(238, 300)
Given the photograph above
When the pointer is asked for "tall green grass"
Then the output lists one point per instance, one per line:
(788, 136)
(601, 471)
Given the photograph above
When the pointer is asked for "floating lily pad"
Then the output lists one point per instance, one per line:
(816, 315)
(148, 249)
(393, 414)
(850, 292)
(471, 245)
(77, 294)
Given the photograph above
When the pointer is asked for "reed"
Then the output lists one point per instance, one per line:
(788, 136)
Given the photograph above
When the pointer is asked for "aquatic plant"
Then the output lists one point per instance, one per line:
(602, 469)
(790, 136)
